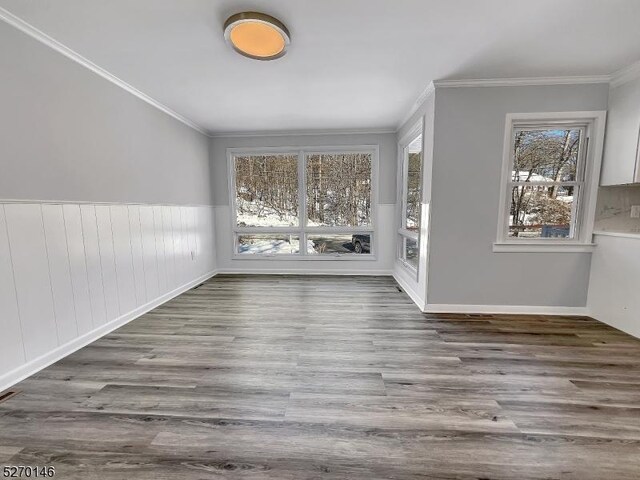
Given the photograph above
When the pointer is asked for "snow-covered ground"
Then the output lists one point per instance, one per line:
(289, 245)
(264, 217)
(273, 245)
(330, 244)
(250, 215)
(523, 175)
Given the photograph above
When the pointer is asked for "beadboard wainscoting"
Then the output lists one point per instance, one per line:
(72, 272)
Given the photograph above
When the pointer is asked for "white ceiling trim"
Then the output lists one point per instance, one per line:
(511, 82)
(294, 133)
(525, 81)
(42, 37)
(625, 75)
(430, 89)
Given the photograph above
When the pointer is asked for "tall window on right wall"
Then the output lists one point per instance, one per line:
(409, 231)
(550, 173)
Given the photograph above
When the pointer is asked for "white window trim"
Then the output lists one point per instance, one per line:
(594, 123)
(402, 233)
(301, 230)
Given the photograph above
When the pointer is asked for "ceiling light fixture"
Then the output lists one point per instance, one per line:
(257, 35)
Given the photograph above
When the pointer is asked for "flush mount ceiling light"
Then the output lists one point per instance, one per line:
(257, 35)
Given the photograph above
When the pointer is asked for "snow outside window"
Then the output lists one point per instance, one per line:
(411, 164)
(322, 199)
(551, 166)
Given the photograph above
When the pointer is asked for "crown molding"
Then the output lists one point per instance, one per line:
(510, 82)
(524, 81)
(42, 37)
(298, 133)
(625, 75)
(426, 93)
(430, 89)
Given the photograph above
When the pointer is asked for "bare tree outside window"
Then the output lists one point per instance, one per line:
(414, 185)
(544, 183)
(332, 215)
(411, 166)
(267, 190)
(339, 189)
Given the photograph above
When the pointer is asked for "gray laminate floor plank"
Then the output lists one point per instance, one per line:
(332, 377)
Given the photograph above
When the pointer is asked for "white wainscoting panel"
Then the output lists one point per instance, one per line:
(60, 272)
(107, 261)
(32, 279)
(205, 237)
(70, 273)
(136, 250)
(169, 257)
(149, 252)
(176, 225)
(187, 228)
(78, 267)
(163, 282)
(124, 258)
(94, 265)
(11, 345)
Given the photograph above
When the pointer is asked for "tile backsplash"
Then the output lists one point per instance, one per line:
(613, 212)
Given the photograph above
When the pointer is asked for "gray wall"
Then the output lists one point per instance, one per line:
(469, 133)
(387, 143)
(68, 134)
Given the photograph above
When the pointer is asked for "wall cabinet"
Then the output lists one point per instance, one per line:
(621, 159)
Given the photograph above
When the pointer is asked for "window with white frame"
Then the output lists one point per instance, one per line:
(548, 179)
(310, 203)
(411, 197)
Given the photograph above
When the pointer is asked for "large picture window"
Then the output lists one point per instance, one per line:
(411, 165)
(322, 199)
(549, 175)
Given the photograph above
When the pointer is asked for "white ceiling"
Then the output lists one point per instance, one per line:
(353, 64)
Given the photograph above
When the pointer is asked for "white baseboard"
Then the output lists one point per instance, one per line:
(307, 271)
(37, 364)
(506, 309)
(628, 327)
(409, 289)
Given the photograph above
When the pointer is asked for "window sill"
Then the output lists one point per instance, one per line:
(537, 247)
(306, 258)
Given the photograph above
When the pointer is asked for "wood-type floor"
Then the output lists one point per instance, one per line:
(300, 377)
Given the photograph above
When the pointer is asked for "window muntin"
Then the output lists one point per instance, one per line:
(322, 198)
(547, 170)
